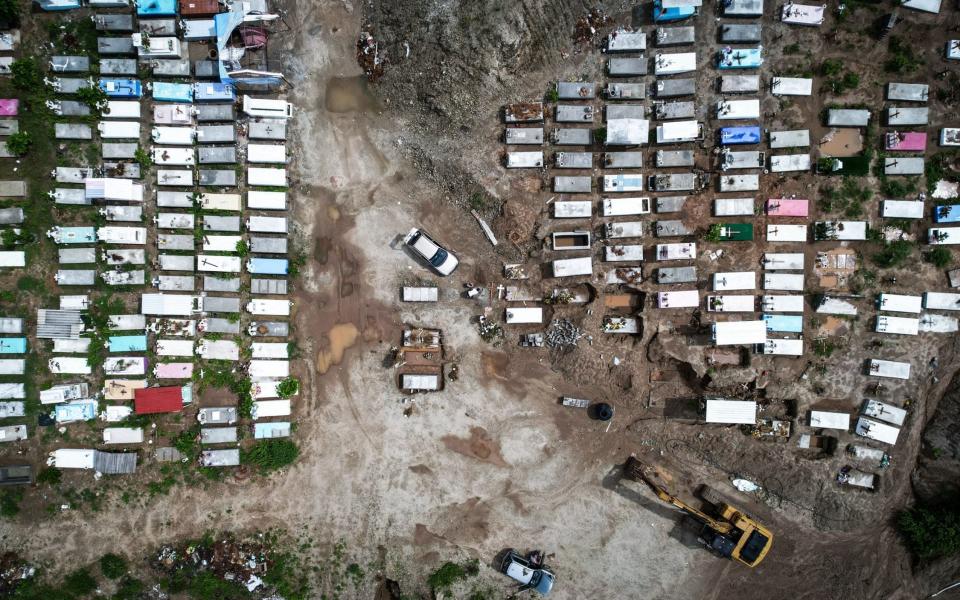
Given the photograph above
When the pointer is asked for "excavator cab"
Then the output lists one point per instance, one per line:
(729, 532)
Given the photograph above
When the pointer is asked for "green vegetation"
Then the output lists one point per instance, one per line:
(823, 347)
(600, 135)
(288, 387)
(270, 455)
(450, 573)
(29, 284)
(113, 566)
(553, 95)
(79, 583)
(207, 586)
(934, 170)
(143, 159)
(902, 58)
(791, 49)
(10, 502)
(50, 476)
(19, 143)
(9, 13)
(849, 198)
(893, 254)
(94, 97)
(243, 249)
(931, 532)
(939, 257)
(27, 75)
(713, 234)
(893, 188)
(831, 67)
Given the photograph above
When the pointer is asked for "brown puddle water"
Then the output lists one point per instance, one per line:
(341, 336)
(349, 94)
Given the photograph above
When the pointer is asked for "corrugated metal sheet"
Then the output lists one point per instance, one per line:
(114, 463)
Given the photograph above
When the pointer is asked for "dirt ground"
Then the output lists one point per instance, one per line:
(492, 461)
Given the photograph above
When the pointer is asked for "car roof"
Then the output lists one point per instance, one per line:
(520, 572)
(425, 246)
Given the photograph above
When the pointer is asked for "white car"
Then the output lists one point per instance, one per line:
(530, 577)
(441, 260)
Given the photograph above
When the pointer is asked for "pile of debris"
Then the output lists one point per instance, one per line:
(243, 562)
(562, 333)
(490, 331)
(369, 56)
(587, 26)
(13, 571)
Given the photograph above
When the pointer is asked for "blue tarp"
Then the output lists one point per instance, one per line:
(730, 136)
(739, 58)
(76, 410)
(121, 88)
(156, 8)
(13, 345)
(678, 13)
(268, 266)
(947, 213)
(127, 343)
(172, 92)
(784, 323)
(213, 92)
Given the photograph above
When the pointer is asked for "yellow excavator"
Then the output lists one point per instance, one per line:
(732, 533)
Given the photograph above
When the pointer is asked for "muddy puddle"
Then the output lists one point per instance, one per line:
(341, 336)
(842, 142)
(349, 94)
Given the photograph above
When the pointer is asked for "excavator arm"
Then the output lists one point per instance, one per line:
(637, 471)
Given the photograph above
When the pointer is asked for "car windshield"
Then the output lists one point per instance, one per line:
(543, 582)
(439, 258)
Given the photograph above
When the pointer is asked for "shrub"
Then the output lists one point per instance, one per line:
(19, 143)
(288, 387)
(113, 566)
(129, 589)
(939, 257)
(26, 74)
(50, 476)
(902, 59)
(10, 503)
(9, 13)
(893, 254)
(930, 532)
(79, 583)
(269, 455)
(207, 586)
(94, 97)
(713, 234)
(450, 573)
(831, 67)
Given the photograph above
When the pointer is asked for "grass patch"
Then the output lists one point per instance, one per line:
(939, 257)
(893, 254)
(902, 58)
(270, 455)
(450, 573)
(113, 566)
